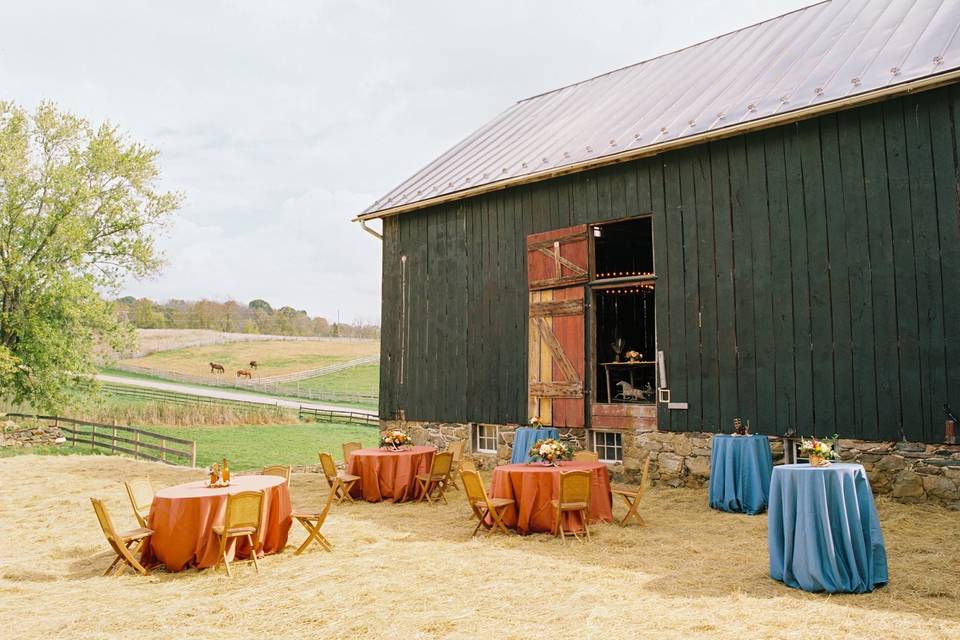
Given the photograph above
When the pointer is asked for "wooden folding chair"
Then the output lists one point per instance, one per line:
(340, 482)
(242, 520)
(483, 505)
(122, 543)
(632, 496)
(312, 522)
(586, 456)
(574, 496)
(348, 449)
(435, 482)
(279, 470)
(467, 465)
(140, 491)
(456, 448)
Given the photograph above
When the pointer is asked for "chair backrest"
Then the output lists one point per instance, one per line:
(329, 466)
(456, 448)
(442, 463)
(473, 485)
(104, 518)
(586, 456)
(644, 477)
(468, 464)
(279, 470)
(331, 496)
(140, 491)
(349, 448)
(575, 486)
(243, 509)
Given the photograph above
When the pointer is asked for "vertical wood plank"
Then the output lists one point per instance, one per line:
(726, 298)
(691, 290)
(743, 279)
(675, 350)
(707, 281)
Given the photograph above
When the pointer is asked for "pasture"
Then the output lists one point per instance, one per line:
(413, 571)
(273, 357)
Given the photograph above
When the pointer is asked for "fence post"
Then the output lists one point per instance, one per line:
(193, 454)
(163, 449)
(93, 436)
(136, 447)
(113, 442)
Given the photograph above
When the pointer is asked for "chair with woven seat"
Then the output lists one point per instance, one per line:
(312, 521)
(140, 491)
(433, 484)
(348, 449)
(632, 496)
(575, 497)
(467, 464)
(340, 482)
(123, 542)
(586, 456)
(456, 448)
(279, 470)
(242, 520)
(483, 505)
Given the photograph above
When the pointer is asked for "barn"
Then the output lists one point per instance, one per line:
(762, 226)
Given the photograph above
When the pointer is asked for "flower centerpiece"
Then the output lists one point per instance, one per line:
(394, 439)
(536, 423)
(632, 356)
(739, 428)
(551, 452)
(820, 452)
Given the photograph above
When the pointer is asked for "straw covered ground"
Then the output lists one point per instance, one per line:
(412, 571)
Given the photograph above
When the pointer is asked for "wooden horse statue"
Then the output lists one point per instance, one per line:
(216, 368)
(253, 364)
(629, 392)
(244, 373)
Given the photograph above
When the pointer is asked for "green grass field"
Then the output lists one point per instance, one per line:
(248, 447)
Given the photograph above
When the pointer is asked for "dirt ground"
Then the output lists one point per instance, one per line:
(413, 571)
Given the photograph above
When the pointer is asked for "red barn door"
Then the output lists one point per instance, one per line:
(557, 268)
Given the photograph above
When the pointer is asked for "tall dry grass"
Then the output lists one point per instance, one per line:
(150, 412)
(413, 571)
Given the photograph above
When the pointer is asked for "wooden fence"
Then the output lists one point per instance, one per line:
(328, 415)
(175, 397)
(139, 443)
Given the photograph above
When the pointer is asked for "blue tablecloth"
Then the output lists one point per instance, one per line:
(525, 438)
(823, 529)
(740, 468)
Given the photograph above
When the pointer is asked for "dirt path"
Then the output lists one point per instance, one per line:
(225, 394)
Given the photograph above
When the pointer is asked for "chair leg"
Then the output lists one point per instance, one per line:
(586, 524)
(253, 553)
(498, 521)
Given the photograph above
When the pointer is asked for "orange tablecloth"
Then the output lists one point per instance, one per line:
(389, 475)
(183, 517)
(534, 485)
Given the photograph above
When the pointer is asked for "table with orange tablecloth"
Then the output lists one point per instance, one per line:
(183, 517)
(386, 474)
(534, 485)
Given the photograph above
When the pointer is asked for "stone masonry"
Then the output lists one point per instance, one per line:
(909, 472)
(25, 435)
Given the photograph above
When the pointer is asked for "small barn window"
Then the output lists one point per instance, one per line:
(608, 445)
(484, 438)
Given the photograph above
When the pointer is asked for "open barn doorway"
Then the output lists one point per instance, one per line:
(624, 319)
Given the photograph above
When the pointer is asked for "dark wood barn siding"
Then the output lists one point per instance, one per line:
(808, 277)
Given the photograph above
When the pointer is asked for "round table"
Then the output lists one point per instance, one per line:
(386, 474)
(823, 530)
(740, 468)
(534, 485)
(183, 517)
(525, 437)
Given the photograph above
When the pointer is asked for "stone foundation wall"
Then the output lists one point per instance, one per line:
(909, 472)
(24, 435)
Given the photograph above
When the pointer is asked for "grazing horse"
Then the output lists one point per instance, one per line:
(253, 364)
(243, 373)
(216, 368)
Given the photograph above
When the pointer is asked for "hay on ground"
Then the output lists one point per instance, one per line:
(412, 571)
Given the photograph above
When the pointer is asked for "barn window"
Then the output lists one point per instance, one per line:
(485, 438)
(624, 312)
(608, 445)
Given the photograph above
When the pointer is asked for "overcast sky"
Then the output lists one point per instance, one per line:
(279, 121)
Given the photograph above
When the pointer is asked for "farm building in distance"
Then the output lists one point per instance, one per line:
(768, 219)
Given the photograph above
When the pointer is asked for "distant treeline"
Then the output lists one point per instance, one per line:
(256, 317)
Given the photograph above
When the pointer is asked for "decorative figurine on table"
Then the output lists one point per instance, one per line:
(536, 423)
(820, 452)
(617, 346)
(740, 428)
(218, 475)
(632, 356)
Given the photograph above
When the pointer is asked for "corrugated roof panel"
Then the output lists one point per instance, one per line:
(829, 51)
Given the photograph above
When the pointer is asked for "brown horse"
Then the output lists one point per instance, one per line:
(253, 364)
(243, 373)
(216, 368)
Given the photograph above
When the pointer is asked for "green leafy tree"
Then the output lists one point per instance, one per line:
(79, 206)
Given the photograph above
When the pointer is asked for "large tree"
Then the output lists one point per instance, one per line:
(79, 206)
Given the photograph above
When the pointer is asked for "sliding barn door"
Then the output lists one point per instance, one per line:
(557, 268)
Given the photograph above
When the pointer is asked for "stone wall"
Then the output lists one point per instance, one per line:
(909, 472)
(29, 435)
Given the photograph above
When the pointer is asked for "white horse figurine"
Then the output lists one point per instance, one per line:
(630, 392)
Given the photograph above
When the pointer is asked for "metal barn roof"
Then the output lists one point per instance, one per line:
(822, 57)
